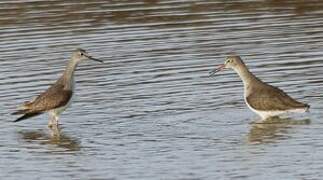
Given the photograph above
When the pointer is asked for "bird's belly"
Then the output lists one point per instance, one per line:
(267, 114)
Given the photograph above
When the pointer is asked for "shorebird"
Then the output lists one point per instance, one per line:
(262, 98)
(58, 96)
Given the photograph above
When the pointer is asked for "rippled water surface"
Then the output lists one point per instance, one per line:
(151, 111)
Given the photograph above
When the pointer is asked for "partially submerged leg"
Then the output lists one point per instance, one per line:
(53, 119)
(55, 132)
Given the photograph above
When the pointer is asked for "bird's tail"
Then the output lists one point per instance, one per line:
(26, 116)
(25, 109)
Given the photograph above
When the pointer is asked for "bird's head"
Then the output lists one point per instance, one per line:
(81, 55)
(231, 62)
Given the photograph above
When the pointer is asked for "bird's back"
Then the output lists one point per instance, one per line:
(267, 97)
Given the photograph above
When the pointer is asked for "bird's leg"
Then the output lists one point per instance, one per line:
(53, 119)
(55, 132)
(56, 119)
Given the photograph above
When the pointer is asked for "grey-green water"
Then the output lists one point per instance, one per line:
(151, 111)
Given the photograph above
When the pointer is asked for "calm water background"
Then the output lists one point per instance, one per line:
(151, 111)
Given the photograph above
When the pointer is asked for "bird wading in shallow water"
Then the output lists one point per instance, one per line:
(58, 96)
(262, 98)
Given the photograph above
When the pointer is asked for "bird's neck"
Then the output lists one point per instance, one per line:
(246, 76)
(69, 71)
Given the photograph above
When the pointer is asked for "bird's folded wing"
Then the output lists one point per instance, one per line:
(56, 96)
(272, 99)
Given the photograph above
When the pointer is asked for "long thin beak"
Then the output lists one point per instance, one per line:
(94, 59)
(217, 69)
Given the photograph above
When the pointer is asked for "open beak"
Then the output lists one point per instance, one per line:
(217, 69)
(94, 59)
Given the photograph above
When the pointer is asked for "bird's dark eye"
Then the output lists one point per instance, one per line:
(82, 54)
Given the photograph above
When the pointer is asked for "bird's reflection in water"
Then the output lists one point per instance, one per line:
(272, 129)
(54, 137)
